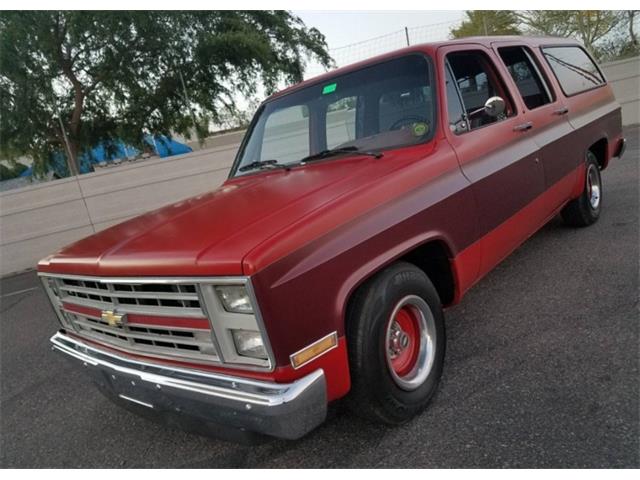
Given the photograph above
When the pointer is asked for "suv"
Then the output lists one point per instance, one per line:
(360, 204)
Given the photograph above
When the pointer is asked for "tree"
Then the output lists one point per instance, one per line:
(622, 42)
(588, 26)
(631, 17)
(95, 77)
(12, 171)
(487, 22)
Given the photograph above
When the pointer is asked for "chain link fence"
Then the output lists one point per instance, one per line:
(371, 47)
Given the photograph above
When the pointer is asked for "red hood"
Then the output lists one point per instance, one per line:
(210, 234)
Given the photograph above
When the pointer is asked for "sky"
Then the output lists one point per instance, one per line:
(345, 27)
(354, 35)
(348, 32)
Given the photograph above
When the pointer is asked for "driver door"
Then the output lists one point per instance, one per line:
(496, 154)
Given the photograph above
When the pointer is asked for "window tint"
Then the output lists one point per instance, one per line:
(527, 77)
(573, 68)
(455, 111)
(478, 81)
(286, 134)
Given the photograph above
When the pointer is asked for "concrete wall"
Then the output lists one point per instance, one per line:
(624, 78)
(37, 220)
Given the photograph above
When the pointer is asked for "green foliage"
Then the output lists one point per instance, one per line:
(598, 30)
(607, 34)
(110, 75)
(487, 22)
(11, 171)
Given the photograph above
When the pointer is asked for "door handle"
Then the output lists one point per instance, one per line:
(523, 127)
(561, 111)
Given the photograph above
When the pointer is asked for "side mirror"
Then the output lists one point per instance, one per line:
(494, 106)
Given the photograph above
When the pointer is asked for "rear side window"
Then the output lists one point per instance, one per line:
(525, 73)
(573, 68)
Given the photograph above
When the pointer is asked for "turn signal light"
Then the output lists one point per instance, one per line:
(317, 348)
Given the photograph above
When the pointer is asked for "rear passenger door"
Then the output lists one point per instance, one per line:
(496, 154)
(547, 114)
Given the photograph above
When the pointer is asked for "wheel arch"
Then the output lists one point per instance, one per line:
(600, 148)
(433, 256)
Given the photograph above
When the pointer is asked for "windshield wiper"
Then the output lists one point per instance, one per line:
(262, 164)
(337, 151)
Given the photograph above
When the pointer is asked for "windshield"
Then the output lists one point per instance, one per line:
(390, 104)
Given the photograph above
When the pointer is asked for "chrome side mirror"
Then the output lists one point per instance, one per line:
(494, 106)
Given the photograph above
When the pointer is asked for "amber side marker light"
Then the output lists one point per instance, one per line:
(313, 351)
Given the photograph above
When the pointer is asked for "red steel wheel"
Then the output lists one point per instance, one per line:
(409, 342)
(404, 340)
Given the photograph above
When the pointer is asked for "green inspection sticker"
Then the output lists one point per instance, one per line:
(420, 129)
(329, 88)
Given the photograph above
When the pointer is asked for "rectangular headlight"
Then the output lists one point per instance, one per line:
(249, 343)
(234, 298)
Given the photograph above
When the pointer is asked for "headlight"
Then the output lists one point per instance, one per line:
(249, 343)
(234, 298)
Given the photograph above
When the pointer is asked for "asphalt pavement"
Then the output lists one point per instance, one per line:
(542, 370)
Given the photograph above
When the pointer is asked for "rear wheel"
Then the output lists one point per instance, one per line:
(585, 210)
(396, 341)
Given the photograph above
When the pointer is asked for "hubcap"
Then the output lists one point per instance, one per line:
(410, 342)
(593, 186)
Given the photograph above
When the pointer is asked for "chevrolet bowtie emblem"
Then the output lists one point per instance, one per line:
(112, 318)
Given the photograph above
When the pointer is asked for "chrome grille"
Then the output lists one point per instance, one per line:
(146, 298)
(174, 303)
(152, 339)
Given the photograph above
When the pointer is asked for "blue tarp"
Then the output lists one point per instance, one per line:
(161, 145)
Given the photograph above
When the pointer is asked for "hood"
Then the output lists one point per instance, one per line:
(210, 234)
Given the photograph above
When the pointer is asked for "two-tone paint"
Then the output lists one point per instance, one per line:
(309, 236)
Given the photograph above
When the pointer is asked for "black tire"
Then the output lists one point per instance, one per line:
(585, 210)
(375, 394)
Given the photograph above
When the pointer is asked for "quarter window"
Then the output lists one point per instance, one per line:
(526, 76)
(455, 110)
(477, 81)
(573, 68)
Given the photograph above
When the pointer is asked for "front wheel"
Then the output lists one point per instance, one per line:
(396, 343)
(585, 210)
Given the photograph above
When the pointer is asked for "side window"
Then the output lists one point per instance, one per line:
(286, 134)
(526, 75)
(455, 110)
(478, 81)
(341, 121)
(573, 68)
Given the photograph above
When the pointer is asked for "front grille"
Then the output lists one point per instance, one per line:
(155, 298)
(162, 319)
(172, 341)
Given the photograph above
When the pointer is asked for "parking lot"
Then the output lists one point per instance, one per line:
(542, 370)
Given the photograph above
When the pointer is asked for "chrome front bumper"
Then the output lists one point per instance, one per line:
(281, 410)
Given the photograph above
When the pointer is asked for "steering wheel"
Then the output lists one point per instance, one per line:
(409, 119)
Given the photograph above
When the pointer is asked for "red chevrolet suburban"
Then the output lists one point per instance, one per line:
(361, 204)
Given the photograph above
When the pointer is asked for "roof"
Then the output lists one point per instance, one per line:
(424, 48)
